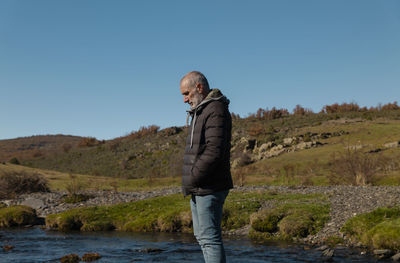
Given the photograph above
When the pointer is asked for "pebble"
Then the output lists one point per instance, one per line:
(396, 257)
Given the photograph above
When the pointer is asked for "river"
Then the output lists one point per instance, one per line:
(37, 245)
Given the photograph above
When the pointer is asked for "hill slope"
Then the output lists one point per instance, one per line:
(310, 149)
(34, 146)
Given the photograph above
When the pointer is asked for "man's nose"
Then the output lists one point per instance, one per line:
(185, 99)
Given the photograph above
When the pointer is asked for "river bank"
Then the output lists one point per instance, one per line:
(345, 202)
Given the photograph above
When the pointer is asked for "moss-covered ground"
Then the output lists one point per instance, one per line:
(17, 216)
(377, 229)
(172, 213)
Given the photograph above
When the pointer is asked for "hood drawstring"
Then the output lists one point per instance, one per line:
(192, 132)
(187, 118)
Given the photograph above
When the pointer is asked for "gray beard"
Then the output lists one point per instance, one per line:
(197, 99)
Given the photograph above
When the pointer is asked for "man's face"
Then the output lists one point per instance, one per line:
(191, 95)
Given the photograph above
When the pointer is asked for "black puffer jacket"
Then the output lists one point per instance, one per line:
(206, 164)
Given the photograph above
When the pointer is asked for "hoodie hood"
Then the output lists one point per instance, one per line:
(213, 95)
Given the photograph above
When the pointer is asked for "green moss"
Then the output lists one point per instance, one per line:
(384, 235)
(17, 216)
(296, 225)
(290, 220)
(360, 224)
(378, 229)
(266, 220)
(169, 213)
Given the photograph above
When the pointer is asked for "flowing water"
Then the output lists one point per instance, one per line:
(36, 245)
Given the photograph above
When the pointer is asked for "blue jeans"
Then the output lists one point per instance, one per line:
(207, 216)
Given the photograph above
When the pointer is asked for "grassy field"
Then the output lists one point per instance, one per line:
(59, 181)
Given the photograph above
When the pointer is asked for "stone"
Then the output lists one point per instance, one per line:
(304, 145)
(322, 248)
(392, 144)
(265, 146)
(151, 250)
(288, 141)
(383, 253)
(33, 202)
(396, 257)
(328, 253)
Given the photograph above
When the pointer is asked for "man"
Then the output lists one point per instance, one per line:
(206, 166)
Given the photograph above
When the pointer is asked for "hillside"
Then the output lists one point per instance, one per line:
(26, 148)
(353, 147)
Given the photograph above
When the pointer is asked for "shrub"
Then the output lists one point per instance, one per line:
(344, 107)
(300, 111)
(143, 131)
(255, 130)
(89, 142)
(74, 186)
(14, 160)
(15, 183)
(355, 167)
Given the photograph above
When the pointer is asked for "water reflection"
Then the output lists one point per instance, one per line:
(36, 245)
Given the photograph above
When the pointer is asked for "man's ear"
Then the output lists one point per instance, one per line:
(199, 88)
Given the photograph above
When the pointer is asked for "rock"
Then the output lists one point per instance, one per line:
(71, 258)
(396, 257)
(33, 202)
(304, 145)
(288, 141)
(151, 250)
(7, 202)
(328, 253)
(322, 248)
(383, 253)
(265, 146)
(89, 257)
(7, 247)
(355, 147)
(392, 144)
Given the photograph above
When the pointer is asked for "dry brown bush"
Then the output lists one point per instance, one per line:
(255, 130)
(266, 114)
(74, 185)
(355, 167)
(300, 111)
(89, 142)
(15, 183)
(344, 107)
(152, 129)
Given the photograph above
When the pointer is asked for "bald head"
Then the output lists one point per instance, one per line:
(194, 88)
(194, 78)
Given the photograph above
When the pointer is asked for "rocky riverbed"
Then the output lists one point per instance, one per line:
(345, 201)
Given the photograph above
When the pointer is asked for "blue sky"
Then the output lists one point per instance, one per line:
(106, 68)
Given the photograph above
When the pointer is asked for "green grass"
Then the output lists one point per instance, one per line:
(59, 181)
(168, 213)
(378, 229)
(17, 216)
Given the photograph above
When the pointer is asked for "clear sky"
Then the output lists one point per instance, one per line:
(106, 68)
